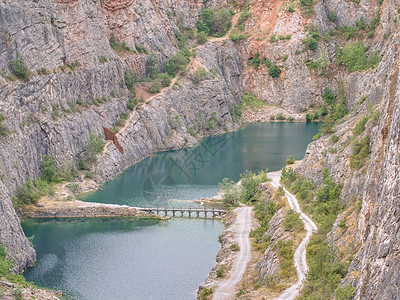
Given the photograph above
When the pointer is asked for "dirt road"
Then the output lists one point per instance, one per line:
(300, 255)
(227, 288)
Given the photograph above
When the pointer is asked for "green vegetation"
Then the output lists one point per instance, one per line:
(255, 60)
(332, 16)
(201, 37)
(3, 129)
(103, 59)
(354, 57)
(94, 146)
(236, 36)
(19, 69)
(280, 117)
(154, 65)
(205, 292)
(286, 262)
(345, 292)
(333, 109)
(325, 272)
(293, 222)
(131, 79)
(307, 6)
(214, 22)
(244, 15)
(42, 71)
(233, 193)
(360, 153)
(235, 111)
(118, 47)
(177, 63)
(200, 74)
(290, 160)
(234, 247)
(264, 211)
(141, 49)
(274, 71)
(6, 272)
(120, 122)
(325, 207)
(360, 126)
(31, 191)
(251, 101)
(220, 272)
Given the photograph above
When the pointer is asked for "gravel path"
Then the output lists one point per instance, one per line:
(300, 255)
(227, 288)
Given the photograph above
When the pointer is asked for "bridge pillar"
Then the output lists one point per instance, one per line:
(165, 212)
(198, 213)
(173, 212)
(182, 213)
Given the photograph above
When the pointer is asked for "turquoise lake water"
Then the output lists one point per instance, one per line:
(144, 258)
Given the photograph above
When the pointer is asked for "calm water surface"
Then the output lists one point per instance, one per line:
(147, 259)
(170, 178)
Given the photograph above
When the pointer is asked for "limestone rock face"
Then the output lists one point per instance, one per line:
(156, 127)
(374, 269)
(11, 234)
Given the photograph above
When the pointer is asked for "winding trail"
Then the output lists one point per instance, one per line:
(300, 254)
(226, 288)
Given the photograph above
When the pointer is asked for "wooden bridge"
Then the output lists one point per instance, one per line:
(189, 211)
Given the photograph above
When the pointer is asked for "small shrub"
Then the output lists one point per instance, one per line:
(342, 224)
(49, 170)
(205, 292)
(199, 75)
(102, 59)
(290, 119)
(42, 71)
(360, 154)
(360, 126)
(316, 137)
(274, 71)
(236, 37)
(26, 194)
(334, 138)
(332, 16)
(201, 37)
(290, 160)
(292, 221)
(234, 247)
(141, 49)
(155, 86)
(231, 192)
(280, 117)
(220, 272)
(19, 69)
(164, 79)
(176, 63)
(73, 187)
(130, 78)
(272, 117)
(118, 47)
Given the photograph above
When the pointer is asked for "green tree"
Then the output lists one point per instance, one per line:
(19, 68)
(274, 71)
